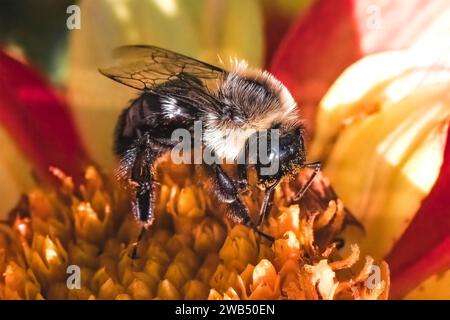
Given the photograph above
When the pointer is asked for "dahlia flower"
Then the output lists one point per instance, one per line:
(371, 79)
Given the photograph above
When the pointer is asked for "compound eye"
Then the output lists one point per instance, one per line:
(266, 159)
(269, 169)
(274, 154)
(270, 157)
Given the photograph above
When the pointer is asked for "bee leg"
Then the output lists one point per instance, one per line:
(316, 166)
(225, 189)
(250, 224)
(144, 186)
(227, 192)
(136, 244)
(143, 209)
(266, 205)
(242, 183)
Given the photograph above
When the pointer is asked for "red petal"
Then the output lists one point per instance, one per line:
(424, 249)
(276, 24)
(336, 33)
(38, 120)
(278, 18)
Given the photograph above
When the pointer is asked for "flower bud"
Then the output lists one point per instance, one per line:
(167, 291)
(209, 236)
(19, 284)
(88, 224)
(187, 207)
(109, 290)
(240, 248)
(139, 290)
(47, 258)
(195, 290)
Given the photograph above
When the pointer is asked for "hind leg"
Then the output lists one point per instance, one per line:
(137, 172)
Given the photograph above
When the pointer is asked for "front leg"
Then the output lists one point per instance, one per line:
(243, 162)
(242, 183)
(267, 204)
(316, 167)
(227, 192)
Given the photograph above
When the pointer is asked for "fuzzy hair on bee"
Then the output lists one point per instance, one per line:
(232, 105)
(253, 100)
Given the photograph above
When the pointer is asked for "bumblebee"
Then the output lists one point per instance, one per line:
(178, 91)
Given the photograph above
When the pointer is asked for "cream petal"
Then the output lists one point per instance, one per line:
(382, 129)
(435, 287)
(15, 174)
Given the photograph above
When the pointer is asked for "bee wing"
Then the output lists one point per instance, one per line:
(146, 67)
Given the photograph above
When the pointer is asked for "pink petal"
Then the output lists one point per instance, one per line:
(38, 120)
(424, 248)
(336, 33)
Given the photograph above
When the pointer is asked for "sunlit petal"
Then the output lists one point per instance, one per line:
(334, 34)
(435, 287)
(389, 149)
(424, 249)
(14, 173)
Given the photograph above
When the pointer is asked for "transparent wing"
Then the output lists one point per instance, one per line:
(146, 67)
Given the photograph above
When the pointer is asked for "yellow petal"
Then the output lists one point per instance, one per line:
(387, 118)
(15, 174)
(435, 287)
(370, 82)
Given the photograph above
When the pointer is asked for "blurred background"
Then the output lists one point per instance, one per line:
(37, 32)
(40, 31)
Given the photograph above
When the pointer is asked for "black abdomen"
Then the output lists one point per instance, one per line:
(154, 114)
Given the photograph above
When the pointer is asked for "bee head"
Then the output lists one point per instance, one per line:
(284, 157)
